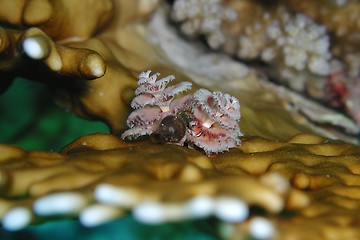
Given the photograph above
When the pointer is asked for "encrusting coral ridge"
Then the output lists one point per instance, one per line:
(101, 178)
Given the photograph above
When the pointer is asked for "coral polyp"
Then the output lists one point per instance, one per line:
(203, 17)
(207, 120)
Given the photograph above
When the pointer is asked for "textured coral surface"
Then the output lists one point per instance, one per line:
(299, 43)
(322, 195)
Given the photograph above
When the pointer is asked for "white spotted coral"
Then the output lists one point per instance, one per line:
(306, 44)
(294, 41)
(207, 120)
(203, 17)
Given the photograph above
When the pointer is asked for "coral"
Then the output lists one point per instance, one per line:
(293, 39)
(274, 37)
(343, 89)
(340, 19)
(351, 99)
(54, 17)
(90, 62)
(303, 43)
(339, 16)
(205, 119)
(295, 47)
(297, 41)
(105, 55)
(203, 17)
(123, 49)
(316, 116)
(105, 188)
(336, 83)
(77, 61)
(101, 178)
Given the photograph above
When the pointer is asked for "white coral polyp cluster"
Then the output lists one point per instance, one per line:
(203, 17)
(208, 120)
(296, 42)
(304, 43)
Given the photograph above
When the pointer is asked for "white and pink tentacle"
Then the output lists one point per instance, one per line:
(207, 120)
